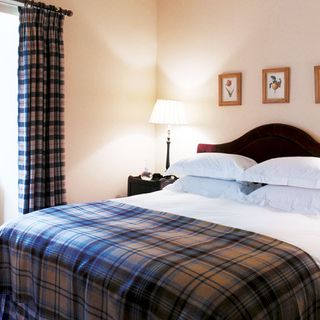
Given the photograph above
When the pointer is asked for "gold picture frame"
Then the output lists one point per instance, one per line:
(317, 84)
(230, 86)
(276, 85)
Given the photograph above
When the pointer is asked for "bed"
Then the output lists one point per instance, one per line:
(178, 253)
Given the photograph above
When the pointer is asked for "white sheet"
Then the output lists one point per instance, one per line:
(300, 230)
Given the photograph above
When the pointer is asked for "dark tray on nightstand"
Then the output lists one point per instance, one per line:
(137, 185)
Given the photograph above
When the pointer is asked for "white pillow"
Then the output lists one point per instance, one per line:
(212, 188)
(214, 165)
(289, 171)
(287, 198)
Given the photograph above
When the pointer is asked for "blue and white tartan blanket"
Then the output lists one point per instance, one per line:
(108, 260)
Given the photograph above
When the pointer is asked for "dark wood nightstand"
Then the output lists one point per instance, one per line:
(136, 185)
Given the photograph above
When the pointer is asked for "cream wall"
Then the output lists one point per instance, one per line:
(198, 39)
(110, 60)
(113, 48)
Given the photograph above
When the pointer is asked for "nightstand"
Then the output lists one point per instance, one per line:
(136, 185)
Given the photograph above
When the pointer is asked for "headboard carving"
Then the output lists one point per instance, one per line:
(269, 141)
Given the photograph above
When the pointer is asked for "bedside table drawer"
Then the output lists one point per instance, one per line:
(136, 185)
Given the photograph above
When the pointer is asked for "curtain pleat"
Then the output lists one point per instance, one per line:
(41, 110)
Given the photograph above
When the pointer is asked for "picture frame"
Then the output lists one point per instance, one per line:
(317, 83)
(276, 85)
(230, 89)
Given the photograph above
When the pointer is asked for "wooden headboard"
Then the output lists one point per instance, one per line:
(269, 141)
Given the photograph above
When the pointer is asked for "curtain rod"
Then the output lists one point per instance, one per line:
(36, 4)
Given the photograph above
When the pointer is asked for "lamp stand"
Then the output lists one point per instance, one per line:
(168, 149)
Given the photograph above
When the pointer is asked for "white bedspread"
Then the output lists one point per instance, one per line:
(300, 230)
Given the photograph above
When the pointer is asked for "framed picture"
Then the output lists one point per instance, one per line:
(276, 85)
(230, 89)
(317, 83)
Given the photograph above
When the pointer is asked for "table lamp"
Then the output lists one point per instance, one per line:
(169, 112)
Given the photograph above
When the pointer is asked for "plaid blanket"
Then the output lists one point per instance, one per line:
(107, 260)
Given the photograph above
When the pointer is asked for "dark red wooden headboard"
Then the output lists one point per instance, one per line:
(269, 141)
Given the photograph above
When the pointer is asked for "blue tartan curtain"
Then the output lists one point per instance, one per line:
(41, 109)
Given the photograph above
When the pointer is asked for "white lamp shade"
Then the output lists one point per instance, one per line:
(168, 112)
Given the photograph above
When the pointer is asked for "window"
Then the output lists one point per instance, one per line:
(9, 23)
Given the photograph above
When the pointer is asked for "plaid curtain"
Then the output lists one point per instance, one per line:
(41, 108)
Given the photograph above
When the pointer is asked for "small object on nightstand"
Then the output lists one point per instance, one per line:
(157, 176)
(137, 185)
(146, 175)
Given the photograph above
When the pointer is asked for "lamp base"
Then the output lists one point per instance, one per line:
(168, 152)
(168, 149)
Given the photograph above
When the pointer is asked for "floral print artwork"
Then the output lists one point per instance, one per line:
(229, 89)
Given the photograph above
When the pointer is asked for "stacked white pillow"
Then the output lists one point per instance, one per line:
(213, 188)
(212, 165)
(287, 198)
(293, 184)
(212, 175)
(287, 171)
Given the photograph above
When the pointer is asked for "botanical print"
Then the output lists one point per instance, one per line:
(229, 89)
(276, 85)
(275, 82)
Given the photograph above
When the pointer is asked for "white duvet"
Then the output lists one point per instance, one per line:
(300, 230)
